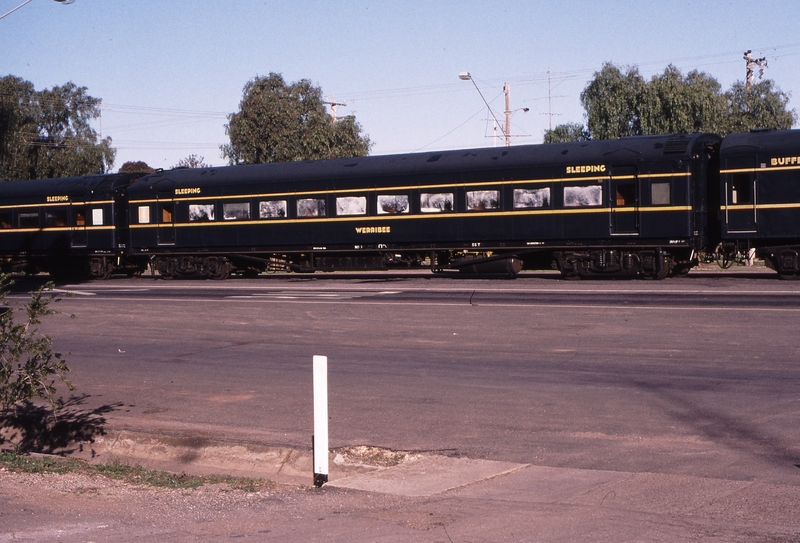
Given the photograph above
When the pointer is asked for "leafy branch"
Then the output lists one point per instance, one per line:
(29, 368)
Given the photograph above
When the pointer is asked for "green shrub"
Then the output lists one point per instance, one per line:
(29, 368)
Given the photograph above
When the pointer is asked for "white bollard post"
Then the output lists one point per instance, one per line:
(320, 420)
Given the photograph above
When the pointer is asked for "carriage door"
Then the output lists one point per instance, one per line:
(78, 214)
(624, 196)
(166, 218)
(740, 196)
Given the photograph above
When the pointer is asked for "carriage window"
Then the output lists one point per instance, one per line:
(530, 198)
(55, 217)
(5, 219)
(311, 207)
(351, 205)
(29, 219)
(482, 200)
(741, 189)
(583, 196)
(97, 217)
(144, 214)
(166, 213)
(79, 216)
(274, 209)
(436, 202)
(236, 211)
(392, 204)
(625, 194)
(660, 194)
(201, 212)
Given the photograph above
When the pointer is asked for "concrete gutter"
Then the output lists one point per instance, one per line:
(363, 468)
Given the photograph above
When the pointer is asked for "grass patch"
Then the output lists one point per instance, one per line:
(40, 464)
(135, 475)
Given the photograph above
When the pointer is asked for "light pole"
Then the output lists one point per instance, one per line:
(509, 113)
(65, 2)
(466, 76)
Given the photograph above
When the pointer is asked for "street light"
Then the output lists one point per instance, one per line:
(65, 2)
(466, 76)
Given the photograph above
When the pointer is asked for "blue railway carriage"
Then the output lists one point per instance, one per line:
(760, 197)
(70, 227)
(635, 207)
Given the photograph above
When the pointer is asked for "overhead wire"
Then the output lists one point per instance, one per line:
(169, 116)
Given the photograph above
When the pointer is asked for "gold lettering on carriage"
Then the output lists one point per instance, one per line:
(785, 161)
(589, 168)
(51, 199)
(188, 190)
(373, 229)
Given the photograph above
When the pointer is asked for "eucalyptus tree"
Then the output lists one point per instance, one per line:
(285, 122)
(622, 103)
(48, 133)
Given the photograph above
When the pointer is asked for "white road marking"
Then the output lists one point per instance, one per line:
(301, 295)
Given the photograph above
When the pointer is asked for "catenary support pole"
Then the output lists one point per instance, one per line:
(320, 420)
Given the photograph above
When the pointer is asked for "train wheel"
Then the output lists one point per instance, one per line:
(101, 269)
(680, 271)
(164, 266)
(218, 268)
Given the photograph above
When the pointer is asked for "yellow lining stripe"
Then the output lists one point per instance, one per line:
(450, 215)
(58, 204)
(750, 207)
(764, 169)
(55, 229)
(476, 184)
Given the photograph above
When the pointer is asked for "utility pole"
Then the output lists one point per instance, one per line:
(550, 102)
(507, 131)
(509, 113)
(466, 76)
(752, 64)
(334, 104)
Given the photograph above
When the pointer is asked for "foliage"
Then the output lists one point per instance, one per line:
(613, 102)
(567, 132)
(673, 104)
(29, 369)
(192, 161)
(280, 122)
(47, 133)
(620, 104)
(764, 106)
(136, 167)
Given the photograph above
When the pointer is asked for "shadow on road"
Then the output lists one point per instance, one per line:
(34, 428)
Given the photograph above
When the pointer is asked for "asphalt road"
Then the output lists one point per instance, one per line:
(696, 376)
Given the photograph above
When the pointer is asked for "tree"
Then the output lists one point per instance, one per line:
(280, 122)
(612, 102)
(763, 106)
(48, 133)
(567, 132)
(29, 369)
(620, 104)
(136, 167)
(192, 161)
(674, 104)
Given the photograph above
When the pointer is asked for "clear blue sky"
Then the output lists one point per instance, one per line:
(169, 72)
